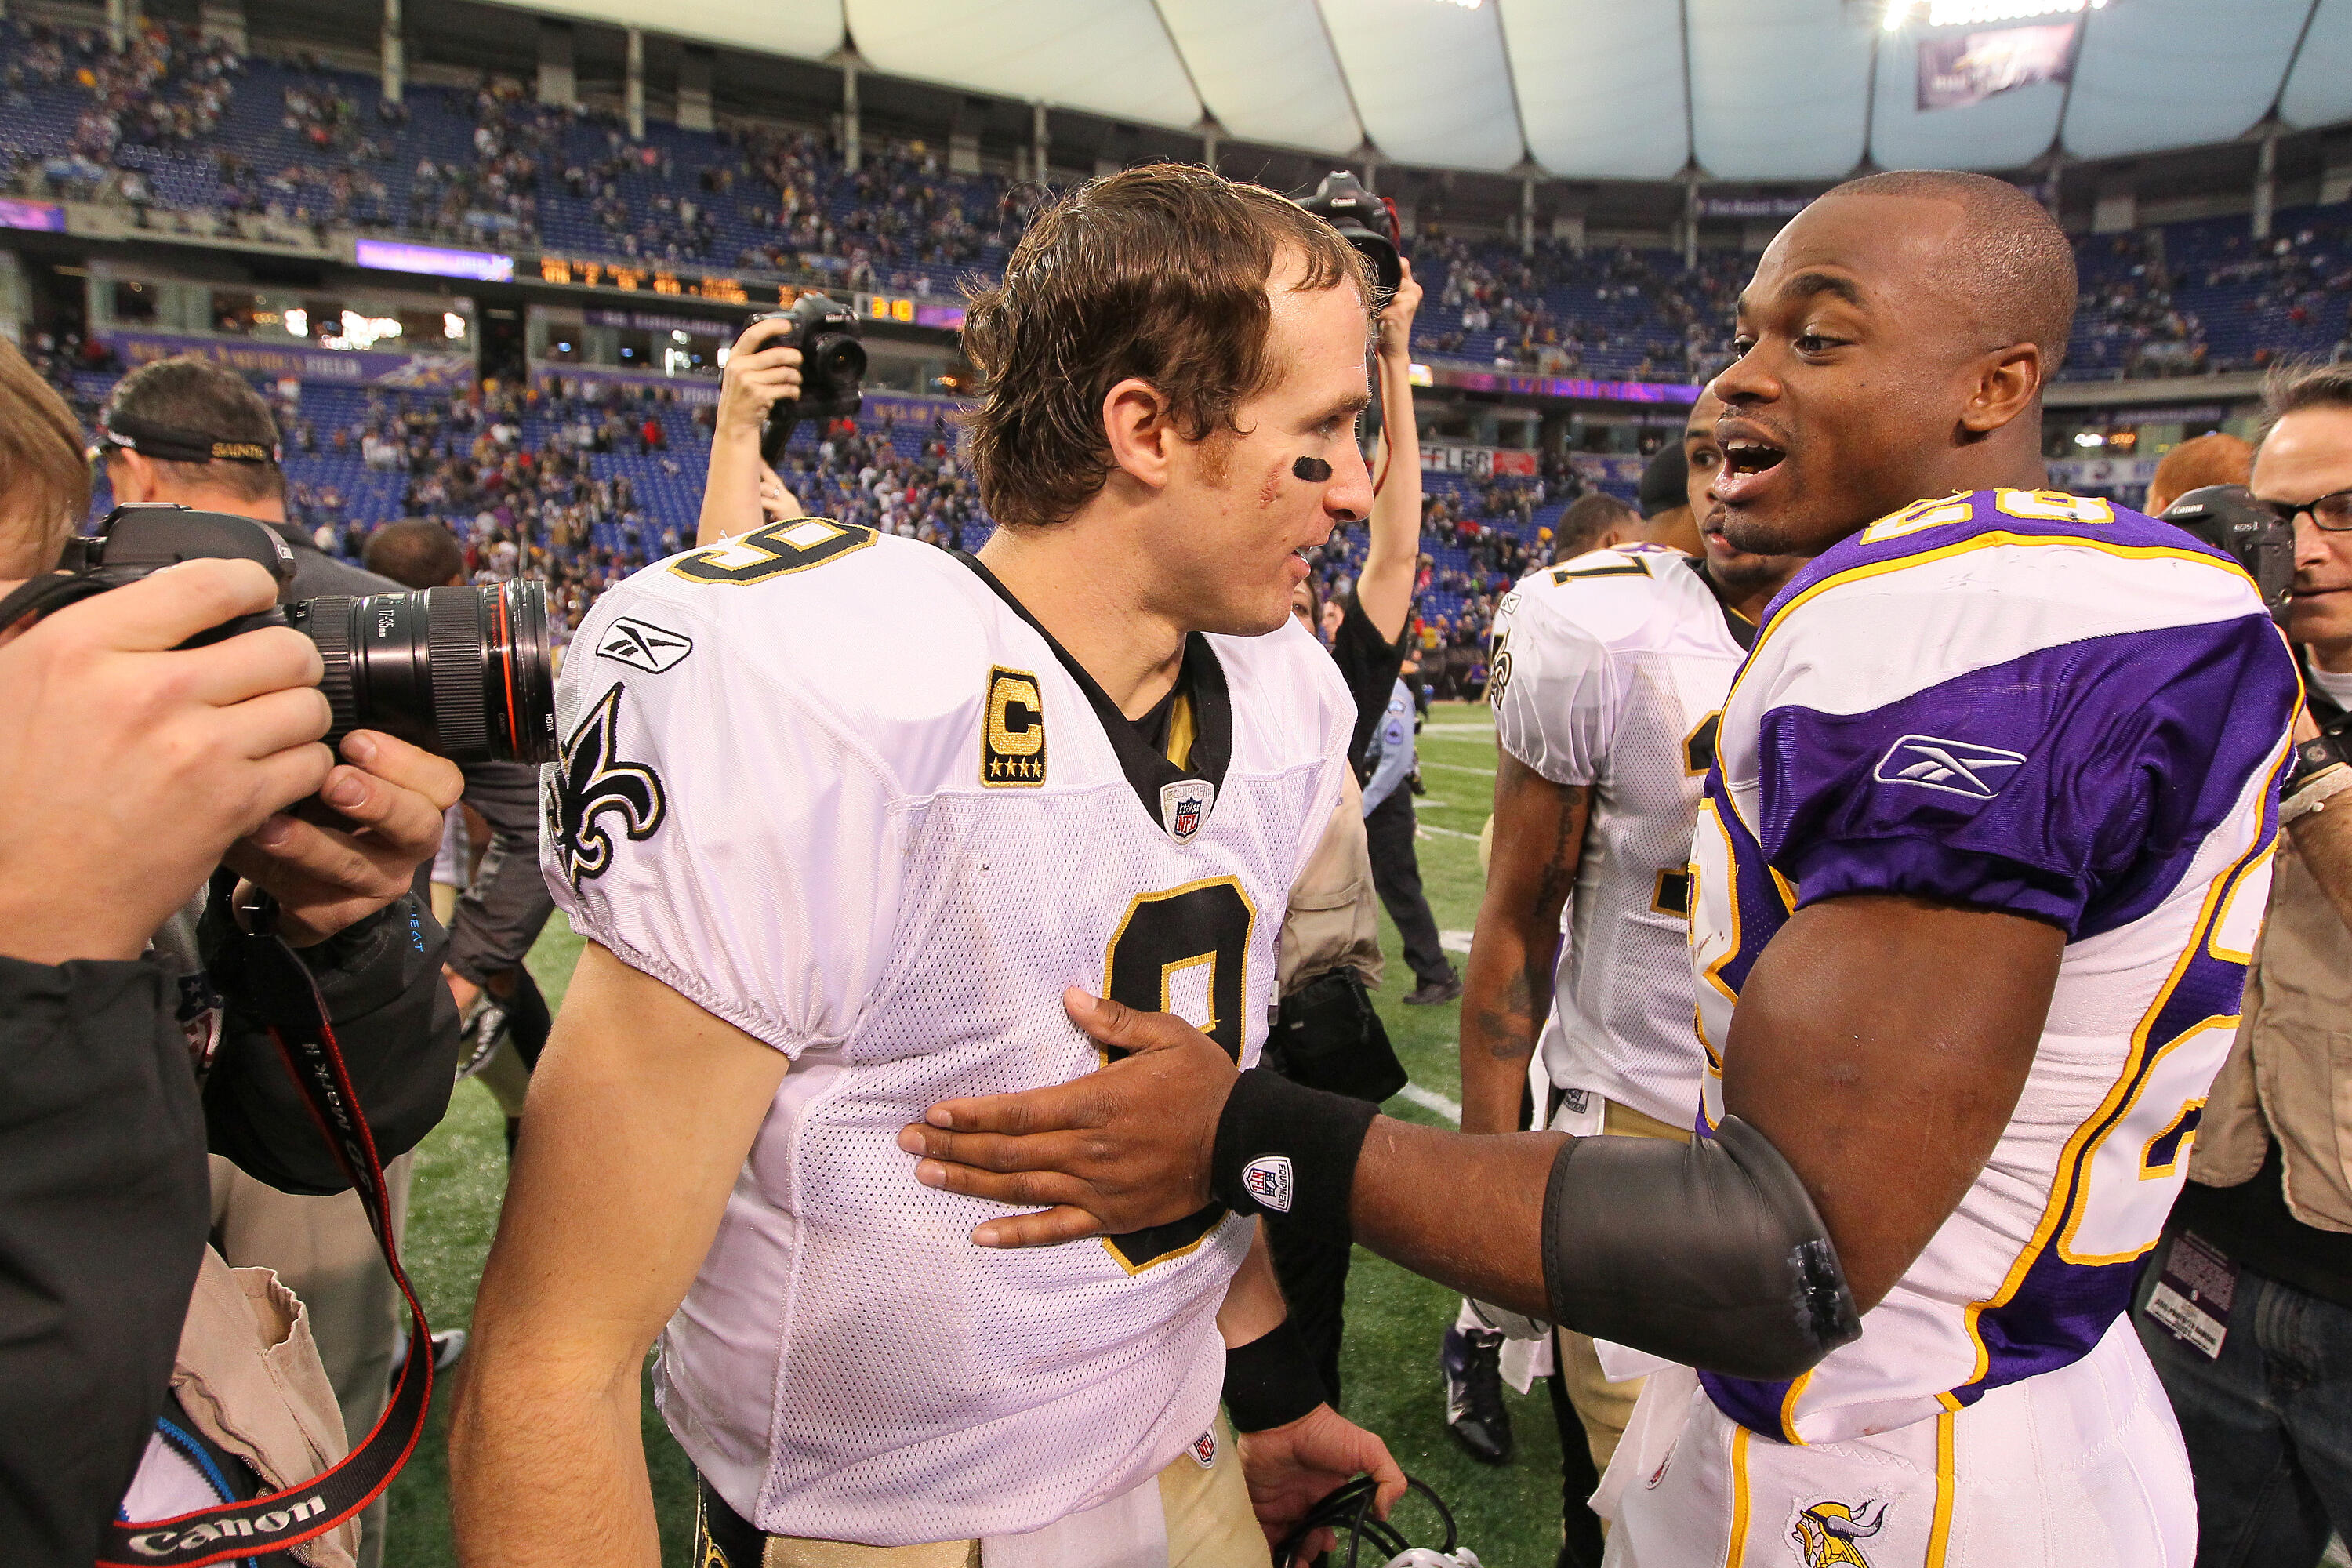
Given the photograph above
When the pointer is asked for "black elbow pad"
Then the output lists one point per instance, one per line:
(1708, 1253)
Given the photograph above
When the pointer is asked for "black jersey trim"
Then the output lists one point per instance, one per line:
(1742, 629)
(1148, 773)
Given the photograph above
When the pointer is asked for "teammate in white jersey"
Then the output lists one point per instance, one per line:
(852, 824)
(1609, 677)
(1986, 855)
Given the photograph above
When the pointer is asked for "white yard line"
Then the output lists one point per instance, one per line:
(1457, 767)
(1430, 1099)
(1453, 941)
(1446, 832)
(1429, 729)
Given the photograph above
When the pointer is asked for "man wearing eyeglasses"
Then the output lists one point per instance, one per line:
(2246, 1305)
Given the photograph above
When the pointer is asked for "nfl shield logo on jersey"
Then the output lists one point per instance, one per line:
(1268, 1179)
(1204, 1449)
(1184, 805)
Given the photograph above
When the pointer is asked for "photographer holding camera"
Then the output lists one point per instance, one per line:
(186, 430)
(788, 365)
(2245, 1306)
(143, 777)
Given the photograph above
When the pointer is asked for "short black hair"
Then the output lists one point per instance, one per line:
(1666, 483)
(416, 553)
(193, 396)
(1588, 517)
(2013, 259)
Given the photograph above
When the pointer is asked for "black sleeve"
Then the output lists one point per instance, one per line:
(1369, 664)
(103, 1209)
(397, 1027)
(500, 915)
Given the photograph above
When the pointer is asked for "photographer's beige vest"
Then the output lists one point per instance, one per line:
(2290, 1070)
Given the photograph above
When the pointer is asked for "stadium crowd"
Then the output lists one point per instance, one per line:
(178, 127)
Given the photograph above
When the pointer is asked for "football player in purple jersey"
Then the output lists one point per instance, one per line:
(1965, 959)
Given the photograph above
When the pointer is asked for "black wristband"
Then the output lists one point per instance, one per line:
(2309, 760)
(1286, 1149)
(1272, 1380)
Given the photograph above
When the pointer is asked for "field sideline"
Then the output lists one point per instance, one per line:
(1509, 1516)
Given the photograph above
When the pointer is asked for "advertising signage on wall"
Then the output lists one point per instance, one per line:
(1563, 386)
(1478, 462)
(47, 216)
(391, 255)
(351, 367)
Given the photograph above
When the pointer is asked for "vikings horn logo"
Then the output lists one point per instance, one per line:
(589, 781)
(1826, 1533)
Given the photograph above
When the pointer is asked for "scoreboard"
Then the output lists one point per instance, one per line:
(722, 288)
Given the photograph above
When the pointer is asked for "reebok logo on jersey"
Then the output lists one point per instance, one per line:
(1955, 767)
(1012, 734)
(1185, 807)
(1267, 1180)
(643, 646)
(589, 782)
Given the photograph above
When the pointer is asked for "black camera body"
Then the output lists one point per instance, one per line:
(833, 368)
(2229, 518)
(1366, 222)
(463, 672)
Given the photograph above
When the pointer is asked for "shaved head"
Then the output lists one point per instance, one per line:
(1893, 345)
(2011, 261)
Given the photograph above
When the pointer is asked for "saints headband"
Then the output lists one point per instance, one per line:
(132, 433)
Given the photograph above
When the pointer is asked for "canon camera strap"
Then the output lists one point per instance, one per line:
(275, 982)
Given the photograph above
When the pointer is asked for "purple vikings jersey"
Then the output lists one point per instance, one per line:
(2038, 703)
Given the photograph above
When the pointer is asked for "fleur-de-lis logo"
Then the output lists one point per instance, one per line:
(589, 782)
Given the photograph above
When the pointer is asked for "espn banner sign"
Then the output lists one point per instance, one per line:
(1477, 462)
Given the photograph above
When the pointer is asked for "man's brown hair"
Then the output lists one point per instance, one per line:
(1158, 273)
(2297, 385)
(44, 468)
(193, 397)
(2213, 458)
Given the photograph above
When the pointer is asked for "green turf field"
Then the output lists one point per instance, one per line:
(1510, 1515)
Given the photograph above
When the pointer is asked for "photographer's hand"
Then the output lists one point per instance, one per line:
(325, 877)
(758, 374)
(1393, 550)
(1396, 317)
(132, 764)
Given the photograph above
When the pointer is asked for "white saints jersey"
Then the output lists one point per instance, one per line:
(1608, 673)
(2042, 704)
(838, 789)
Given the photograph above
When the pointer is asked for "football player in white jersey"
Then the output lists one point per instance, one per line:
(1982, 857)
(1609, 677)
(875, 825)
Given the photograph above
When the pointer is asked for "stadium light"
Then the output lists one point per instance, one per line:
(1968, 13)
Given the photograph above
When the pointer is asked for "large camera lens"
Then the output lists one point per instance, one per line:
(463, 672)
(834, 359)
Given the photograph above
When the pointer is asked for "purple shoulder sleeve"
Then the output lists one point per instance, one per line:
(2074, 783)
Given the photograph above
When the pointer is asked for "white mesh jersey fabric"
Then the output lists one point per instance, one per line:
(847, 1365)
(1619, 659)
